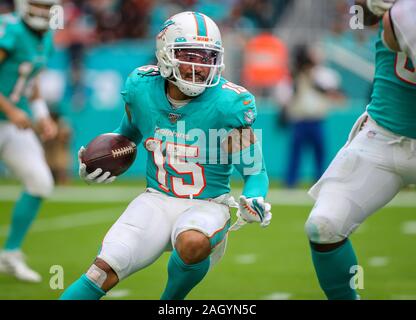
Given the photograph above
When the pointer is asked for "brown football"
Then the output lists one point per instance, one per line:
(110, 152)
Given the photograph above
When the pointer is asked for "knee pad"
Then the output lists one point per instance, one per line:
(118, 257)
(321, 229)
(332, 219)
(96, 275)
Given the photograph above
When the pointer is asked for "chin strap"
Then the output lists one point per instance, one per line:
(184, 88)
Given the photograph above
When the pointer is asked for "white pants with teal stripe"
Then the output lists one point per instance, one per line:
(365, 175)
(151, 224)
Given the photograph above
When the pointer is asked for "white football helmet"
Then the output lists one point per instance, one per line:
(198, 36)
(37, 18)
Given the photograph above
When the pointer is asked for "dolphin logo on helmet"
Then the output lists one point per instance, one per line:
(190, 31)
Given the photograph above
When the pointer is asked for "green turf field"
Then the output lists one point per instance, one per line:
(272, 263)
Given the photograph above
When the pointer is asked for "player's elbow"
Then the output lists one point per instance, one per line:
(389, 37)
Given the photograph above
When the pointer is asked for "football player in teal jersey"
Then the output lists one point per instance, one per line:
(379, 158)
(195, 126)
(25, 45)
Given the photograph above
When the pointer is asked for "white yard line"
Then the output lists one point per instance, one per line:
(111, 194)
(246, 258)
(278, 296)
(73, 220)
(409, 227)
(116, 294)
(79, 194)
(378, 261)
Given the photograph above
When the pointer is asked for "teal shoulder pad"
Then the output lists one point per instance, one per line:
(9, 27)
(136, 77)
(239, 103)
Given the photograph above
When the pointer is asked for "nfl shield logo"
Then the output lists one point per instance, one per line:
(173, 117)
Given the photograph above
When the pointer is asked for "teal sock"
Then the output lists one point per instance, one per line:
(24, 212)
(82, 289)
(182, 277)
(333, 271)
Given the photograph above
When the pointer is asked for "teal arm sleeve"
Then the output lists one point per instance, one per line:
(250, 164)
(128, 130)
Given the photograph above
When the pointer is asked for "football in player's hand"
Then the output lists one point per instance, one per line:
(110, 152)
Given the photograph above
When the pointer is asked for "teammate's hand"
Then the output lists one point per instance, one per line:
(379, 7)
(94, 177)
(252, 210)
(48, 129)
(19, 118)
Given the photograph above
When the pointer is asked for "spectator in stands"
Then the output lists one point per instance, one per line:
(79, 33)
(6, 6)
(135, 18)
(107, 17)
(265, 63)
(263, 13)
(315, 90)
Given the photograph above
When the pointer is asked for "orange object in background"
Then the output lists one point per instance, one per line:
(265, 61)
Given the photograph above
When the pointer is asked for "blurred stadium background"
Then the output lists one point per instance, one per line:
(102, 41)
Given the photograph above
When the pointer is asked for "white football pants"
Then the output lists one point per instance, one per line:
(364, 176)
(152, 222)
(23, 154)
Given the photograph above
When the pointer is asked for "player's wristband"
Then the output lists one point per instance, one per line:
(40, 109)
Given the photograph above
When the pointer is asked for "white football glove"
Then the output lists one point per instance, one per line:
(379, 7)
(93, 177)
(252, 210)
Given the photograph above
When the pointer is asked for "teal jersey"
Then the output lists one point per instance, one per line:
(185, 157)
(27, 54)
(393, 101)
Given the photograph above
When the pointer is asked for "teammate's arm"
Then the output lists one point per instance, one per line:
(15, 115)
(47, 127)
(389, 35)
(399, 24)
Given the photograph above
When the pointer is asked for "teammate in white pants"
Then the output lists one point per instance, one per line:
(25, 45)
